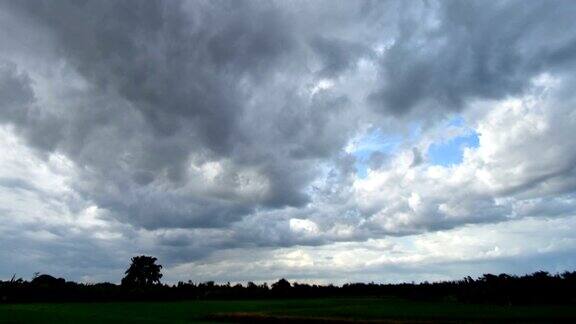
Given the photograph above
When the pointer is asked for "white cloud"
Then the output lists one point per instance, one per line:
(450, 254)
(304, 226)
(523, 153)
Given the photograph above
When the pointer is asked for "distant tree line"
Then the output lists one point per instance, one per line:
(142, 282)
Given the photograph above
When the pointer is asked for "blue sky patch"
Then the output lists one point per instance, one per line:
(451, 151)
(373, 142)
(445, 153)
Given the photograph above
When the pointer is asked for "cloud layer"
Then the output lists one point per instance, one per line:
(203, 131)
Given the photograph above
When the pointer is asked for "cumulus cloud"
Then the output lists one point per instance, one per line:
(522, 156)
(196, 130)
(444, 255)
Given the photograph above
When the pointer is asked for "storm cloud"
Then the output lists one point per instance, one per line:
(200, 130)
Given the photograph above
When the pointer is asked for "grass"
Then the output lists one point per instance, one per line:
(369, 309)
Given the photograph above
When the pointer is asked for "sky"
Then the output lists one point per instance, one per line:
(319, 141)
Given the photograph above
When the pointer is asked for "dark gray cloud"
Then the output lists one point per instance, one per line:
(16, 92)
(450, 52)
(337, 55)
(170, 85)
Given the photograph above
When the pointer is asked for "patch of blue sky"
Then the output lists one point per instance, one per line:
(457, 121)
(415, 132)
(374, 141)
(451, 151)
(445, 153)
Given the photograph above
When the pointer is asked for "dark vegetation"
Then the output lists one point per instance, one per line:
(143, 272)
(142, 283)
(281, 310)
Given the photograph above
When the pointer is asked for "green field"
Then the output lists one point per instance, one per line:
(314, 310)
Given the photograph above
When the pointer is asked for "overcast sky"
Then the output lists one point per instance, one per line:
(321, 141)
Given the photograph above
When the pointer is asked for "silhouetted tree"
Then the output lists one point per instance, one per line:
(143, 272)
(281, 284)
(47, 280)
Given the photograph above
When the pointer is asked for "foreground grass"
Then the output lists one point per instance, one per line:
(204, 311)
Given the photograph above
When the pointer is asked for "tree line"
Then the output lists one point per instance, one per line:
(142, 282)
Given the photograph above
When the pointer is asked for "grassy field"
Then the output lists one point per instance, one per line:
(313, 310)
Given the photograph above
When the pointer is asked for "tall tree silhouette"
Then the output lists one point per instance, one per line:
(142, 272)
(281, 284)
